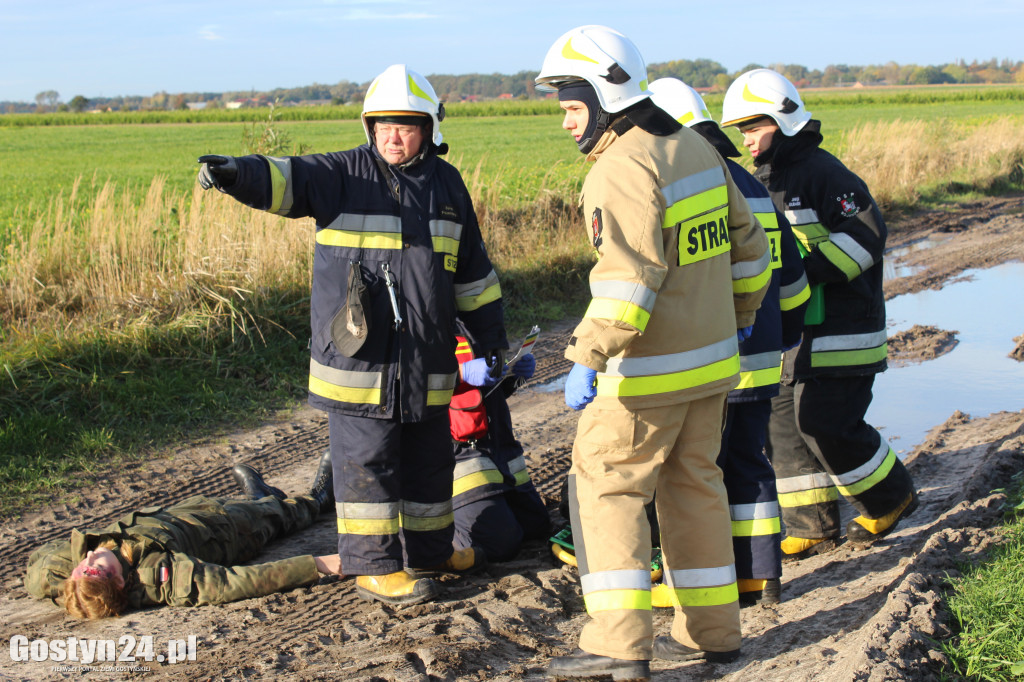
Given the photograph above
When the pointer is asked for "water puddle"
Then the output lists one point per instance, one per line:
(977, 377)
(893, 270)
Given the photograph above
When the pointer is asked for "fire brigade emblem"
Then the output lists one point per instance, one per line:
(596, 227)
(848, 205)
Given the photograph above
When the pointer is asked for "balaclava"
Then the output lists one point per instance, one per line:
(582, 91)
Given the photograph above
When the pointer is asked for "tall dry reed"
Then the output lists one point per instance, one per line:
(900, 160)
(118, 261)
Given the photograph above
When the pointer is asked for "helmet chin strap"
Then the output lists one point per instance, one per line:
(595, 129)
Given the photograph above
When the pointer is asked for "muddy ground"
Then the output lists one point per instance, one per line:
(848, 615)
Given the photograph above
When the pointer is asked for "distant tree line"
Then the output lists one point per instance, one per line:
(700, 73)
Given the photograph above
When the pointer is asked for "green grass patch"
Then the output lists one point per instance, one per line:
(986, 605)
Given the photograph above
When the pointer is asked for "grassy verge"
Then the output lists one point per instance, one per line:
(986, 605)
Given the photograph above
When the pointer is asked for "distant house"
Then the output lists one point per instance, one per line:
(236, 104)
(195, 106)
(505, 95)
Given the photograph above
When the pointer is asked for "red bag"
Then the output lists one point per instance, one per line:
(468, 414)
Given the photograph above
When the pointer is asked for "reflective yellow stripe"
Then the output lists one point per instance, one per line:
(368, 526)
(760, 377)
(810, 234)
(749, 284)
(840, 259)
(422, 523)
(345, 385)
(466, 483)
(704, 237)
(705, 596)
(359, 240)
(874, 478)
(280, 185)
(622, 311)
(791, 302)
(849, 357)
(619, 386)
(806, 498)
(614, 600)
(687, 211)
(446, 245)
(469, 303)
(753, 527)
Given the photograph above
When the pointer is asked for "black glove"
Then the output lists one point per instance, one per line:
(217, 171)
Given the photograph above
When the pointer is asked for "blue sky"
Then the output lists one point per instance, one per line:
(110, 48)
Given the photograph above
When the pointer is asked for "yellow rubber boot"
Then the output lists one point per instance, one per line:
(398, 588)
(661, 596)
(863, 531)
(755, 591)
(801, 548)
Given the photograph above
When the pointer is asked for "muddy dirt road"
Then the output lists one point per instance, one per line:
(848, 615)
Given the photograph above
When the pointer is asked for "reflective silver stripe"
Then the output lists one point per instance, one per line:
(654, 365)
(367, 510)
(473, 466)
(803, 216)
(446, 229)
(690, 578)
(624, 579)
(693, 184)
(426, 510)
(516, 465)
(767, 360)
(851, 248)
(473, 289)
(866, 469)
(761, 205)
(359, 222)
(284, 202)
(744, 269)
(441, 382)
(791, 290)
(345, 377)
(631, 292)
(752, 512)
(798, 484)
(848, 341)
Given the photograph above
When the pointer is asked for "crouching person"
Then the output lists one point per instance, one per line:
(495, 503)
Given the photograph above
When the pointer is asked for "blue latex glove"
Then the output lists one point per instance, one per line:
(524, 366)
(478, 373)
(743, 333)
(580, 390)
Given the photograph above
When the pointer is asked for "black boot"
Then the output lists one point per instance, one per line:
(582, 664)
(668, 649)
(252, 484)
(323, 483)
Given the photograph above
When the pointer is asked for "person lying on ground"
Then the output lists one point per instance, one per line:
(185, 555)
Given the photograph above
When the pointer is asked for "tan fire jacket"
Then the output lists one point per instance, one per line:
(682, 263)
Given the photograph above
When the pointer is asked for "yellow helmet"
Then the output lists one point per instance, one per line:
(680, 101)
(400, 91)
(763, 92)
(603, 57)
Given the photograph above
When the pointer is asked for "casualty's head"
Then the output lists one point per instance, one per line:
(597, 72)
(96, 586)
(402, 114)
(760, 103)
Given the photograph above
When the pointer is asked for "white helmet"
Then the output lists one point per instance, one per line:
(400, 91)
(680, 101)
(603, 57)
(763, 92)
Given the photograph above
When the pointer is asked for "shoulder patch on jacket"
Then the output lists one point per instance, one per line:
(596, 227)
(848, 205)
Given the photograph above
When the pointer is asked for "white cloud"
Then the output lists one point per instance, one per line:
(210, 33)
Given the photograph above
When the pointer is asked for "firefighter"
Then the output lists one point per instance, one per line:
(398, 259)
(682, 266)
(749, 477)
(496, 504)
(819, 442)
